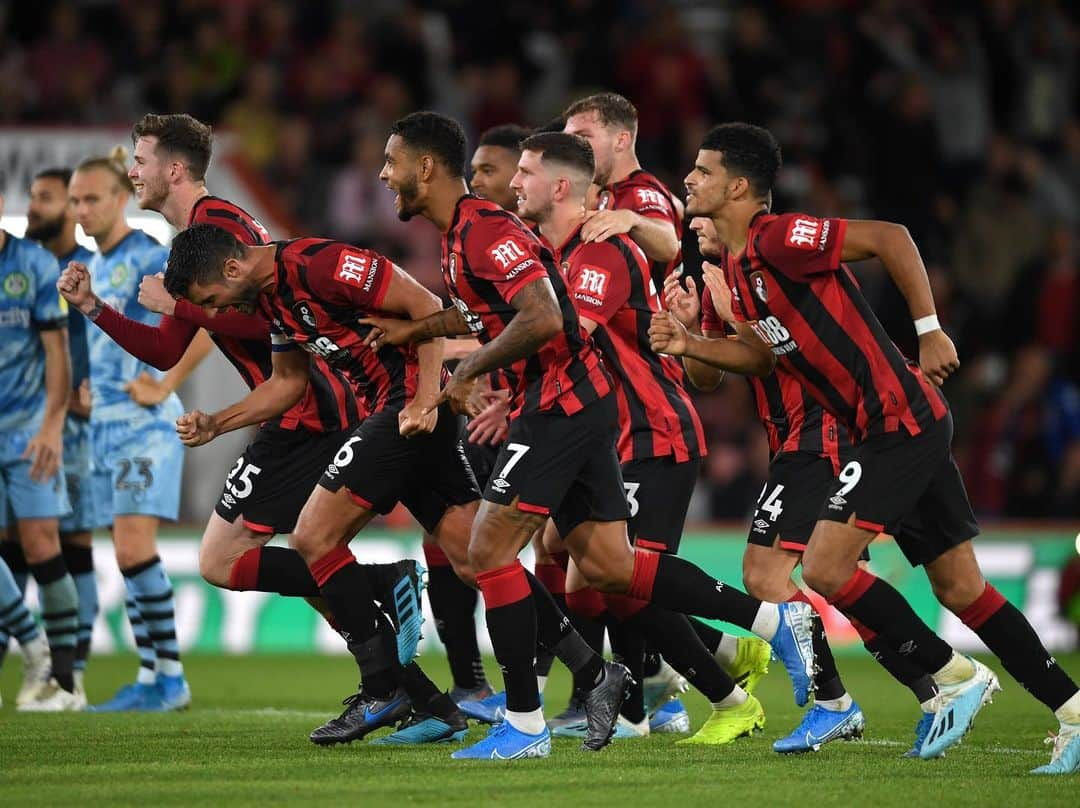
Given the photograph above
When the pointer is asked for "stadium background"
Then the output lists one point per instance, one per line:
(959, 123)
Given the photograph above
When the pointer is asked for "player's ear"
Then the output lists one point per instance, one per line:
(427, 168)
(232, 269)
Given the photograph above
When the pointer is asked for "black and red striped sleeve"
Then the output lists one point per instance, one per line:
(498, 249)
(598, 280)
(800, 245)
(351, 276)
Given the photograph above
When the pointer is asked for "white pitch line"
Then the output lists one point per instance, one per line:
(997, 750)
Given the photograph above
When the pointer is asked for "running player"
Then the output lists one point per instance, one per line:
(634, 202)
(559, 459)
(51, 221)
(801, 308)
(34, 388)
(137, 458)
(660, 442)
(453, 603)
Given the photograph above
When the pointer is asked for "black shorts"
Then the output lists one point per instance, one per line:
(790, 502)
(427, 473)
(270, 482)
(563, 466)
(658, 492)
(481, 457)
(908, 486)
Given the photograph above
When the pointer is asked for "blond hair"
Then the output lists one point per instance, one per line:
(115, 163)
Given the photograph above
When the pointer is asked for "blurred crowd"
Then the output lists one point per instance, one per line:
(958, 120)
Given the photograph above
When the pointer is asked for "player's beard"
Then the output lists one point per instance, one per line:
(247, 300)
(40, 229)
(408, 193)
(154, 195)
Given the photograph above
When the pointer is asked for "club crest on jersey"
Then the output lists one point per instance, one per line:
(303, 313)
(16, 284)
(757, 281)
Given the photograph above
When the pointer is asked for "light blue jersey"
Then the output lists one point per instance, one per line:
(136, 455)
(29, 303)
(116, 276)
(80, 357)
(77, 467)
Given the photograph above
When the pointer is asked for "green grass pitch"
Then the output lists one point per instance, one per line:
(245, 742)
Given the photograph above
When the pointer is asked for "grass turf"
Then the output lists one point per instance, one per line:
(245, 742)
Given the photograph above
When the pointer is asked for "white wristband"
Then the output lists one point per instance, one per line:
(924, 325)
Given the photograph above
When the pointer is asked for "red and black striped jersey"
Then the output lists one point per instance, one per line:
(329, 404)
(644, 194)
(793, 420)
(321, 289)
(488, 256)
(610, 284)
(792, 289)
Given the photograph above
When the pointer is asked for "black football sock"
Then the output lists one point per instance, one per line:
(710, 636)
(674, 583)
(901, 668)
(628, 647)
(556, 632)
(348, 594)
(881, 608)
(676, 639)
(511, 618)
(1010, 636)
(453, 604)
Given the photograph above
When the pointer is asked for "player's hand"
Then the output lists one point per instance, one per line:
(603, 224)
(414, 419)
(79, 401)
(45, 452)
(458, 393)
(74, 286)
(667, 335)
(937, 356)
(682, 303)
(491, 425)
(153, 296)
(196, 428)
(147, 391)
(387, 331)
(721, 292)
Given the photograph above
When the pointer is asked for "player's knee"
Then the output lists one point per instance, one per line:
(765, 584)
(956, 594)
(822, 577)
(213, 569)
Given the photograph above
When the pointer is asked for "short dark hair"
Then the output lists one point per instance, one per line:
(554, 125)
(182, 135)
(747, 151)
(611, 108)
(438, 135)
(507, 136)
(62, 174)
(572, 150)
(197, 255)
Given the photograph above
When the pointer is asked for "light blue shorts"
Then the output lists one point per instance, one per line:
(78, 471)
(27, 498)
(136, 469)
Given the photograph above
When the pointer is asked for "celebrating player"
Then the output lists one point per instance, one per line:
(559, 459)
(137, 457)
(799, 307)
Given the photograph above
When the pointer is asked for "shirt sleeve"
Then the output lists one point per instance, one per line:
(647, 201)
(498, 249)
(801, 246)
(50, 310)
(161, 345)
(279, 342)
(351, 276)
(598, 281)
